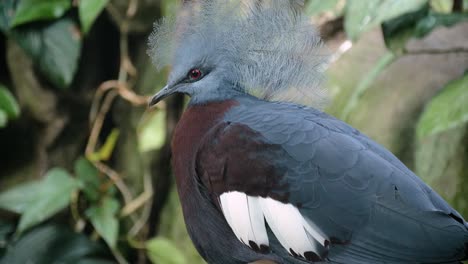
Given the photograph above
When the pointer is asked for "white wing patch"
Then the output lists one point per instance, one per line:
(246, 216)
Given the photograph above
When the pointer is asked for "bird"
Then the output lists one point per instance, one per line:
(263, 174)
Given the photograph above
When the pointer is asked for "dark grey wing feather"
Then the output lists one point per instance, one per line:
(374, 209)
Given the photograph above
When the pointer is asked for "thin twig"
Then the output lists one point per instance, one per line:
(148, 191)
(118, 256)
(124, 92)
(116, 179)
(79, 222)
(132, 8)
(136, 203)
(97, 126)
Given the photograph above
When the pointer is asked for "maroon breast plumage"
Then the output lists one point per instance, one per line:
(196, 121)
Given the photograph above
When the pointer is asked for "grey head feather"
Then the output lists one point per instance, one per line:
(267, 48)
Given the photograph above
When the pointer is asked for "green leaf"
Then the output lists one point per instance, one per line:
(54, 48)
(152, 133)
(52, 244)
(8, 103)
(433, 20)
(416, 25)
(9, 108)
(315, 7)
(105, 152)
(33, 10)
(20, 197)
(3, 118)
(399, 30)
(162, 250)
(104, 219)
(88, 176)
(52, 196)
(447, 110)
(362, 16)
(89, 10)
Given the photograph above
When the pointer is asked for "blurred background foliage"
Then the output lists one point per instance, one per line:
(85, 167)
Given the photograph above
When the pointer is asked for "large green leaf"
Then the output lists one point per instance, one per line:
(416, 25)
(433, 20)
(54, 47)
(440, 160)
(152, 133)
(20, 197)
(33, 10)
(52, 196)
(447, 110)
(88, 176)
(362, 15)
(103, 216)
(8, 103)
(399, 30)
(9, 108)
(89, 11)
(162, 250)
(52, 244)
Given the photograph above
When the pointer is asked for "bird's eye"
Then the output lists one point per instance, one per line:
(194, 74)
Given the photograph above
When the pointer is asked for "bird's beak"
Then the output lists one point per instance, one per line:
(163, 93)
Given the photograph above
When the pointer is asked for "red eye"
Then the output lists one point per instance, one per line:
(194, 74)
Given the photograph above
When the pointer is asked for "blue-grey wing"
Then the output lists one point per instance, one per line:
(373, 208)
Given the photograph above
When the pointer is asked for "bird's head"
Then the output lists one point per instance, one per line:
(195, 72)
(220, 48)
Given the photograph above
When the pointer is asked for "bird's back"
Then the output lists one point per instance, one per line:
(369, 205)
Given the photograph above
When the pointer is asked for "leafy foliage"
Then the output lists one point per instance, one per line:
(105, 152)
(416, 24)
(19, 198)
(50, 32)
(89, 10)
(103, 216)
(364, 15)
(55, 49)
(152, 134)
(41, 200)
(447, 110)
(89, 178)
(54, 46)
(9, 108)
(34, 10)
(162, 250)
(53, 244)
(8, 103)
(400, 21)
